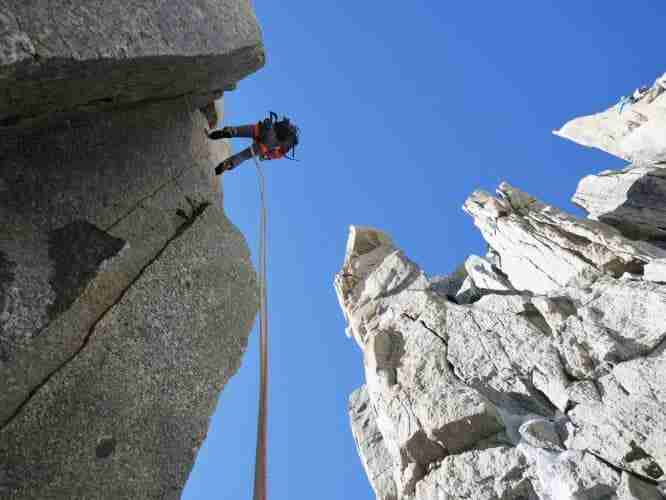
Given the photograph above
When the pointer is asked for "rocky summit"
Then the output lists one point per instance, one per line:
(538, 370)
(126, 295)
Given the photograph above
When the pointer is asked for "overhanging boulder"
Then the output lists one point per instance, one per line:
(63, 57)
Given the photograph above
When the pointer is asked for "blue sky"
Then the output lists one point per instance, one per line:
(405, 108)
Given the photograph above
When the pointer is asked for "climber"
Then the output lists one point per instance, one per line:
(273, 139)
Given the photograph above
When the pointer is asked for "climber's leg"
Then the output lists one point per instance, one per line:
(235, 160)
(228, 132)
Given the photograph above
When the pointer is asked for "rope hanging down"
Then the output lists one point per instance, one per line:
(260, 464)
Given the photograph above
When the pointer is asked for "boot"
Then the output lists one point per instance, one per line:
(223, 167)
(225, 133)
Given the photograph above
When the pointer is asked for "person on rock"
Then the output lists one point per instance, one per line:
(273, 139)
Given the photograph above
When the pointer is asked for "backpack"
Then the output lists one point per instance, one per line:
(286, 132)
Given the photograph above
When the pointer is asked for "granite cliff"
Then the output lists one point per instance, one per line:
(536, 371)
(126, 295)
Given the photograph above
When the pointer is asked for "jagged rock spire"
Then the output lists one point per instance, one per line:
(537, 371)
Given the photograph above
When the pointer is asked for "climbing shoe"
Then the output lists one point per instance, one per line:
(225, 133)
(223, 167)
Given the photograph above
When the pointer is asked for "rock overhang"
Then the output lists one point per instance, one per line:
(76, 57)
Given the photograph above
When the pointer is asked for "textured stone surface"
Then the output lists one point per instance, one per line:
(107, 192)
(572, 375)
(559, 331)
(485, 275)
(585, 349)
(633, 200)
(387, 300)
(495, 348)
(126, 301)
(571, 475)
(451, 284)
(493, 474)
(604, 323)
(126, 296)
(93, 210)
(62, 56)
(655, 271)
(633, 132)
(126, 416)
(376, 458)
(542, 248)
(632, 488)
(541, 433)
(627, 427)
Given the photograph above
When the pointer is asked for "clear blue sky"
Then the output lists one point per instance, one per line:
(405, 108)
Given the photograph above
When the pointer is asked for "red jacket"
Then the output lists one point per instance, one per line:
(269, 145)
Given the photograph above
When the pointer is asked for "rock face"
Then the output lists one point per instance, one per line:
(633, 200)
(535, 372)
(541, 248)
(69, 56)
(632, 129)
(126, 295)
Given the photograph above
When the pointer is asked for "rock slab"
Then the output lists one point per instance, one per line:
(632, 129)
(126, 416)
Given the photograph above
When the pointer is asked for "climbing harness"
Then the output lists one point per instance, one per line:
(260, 463)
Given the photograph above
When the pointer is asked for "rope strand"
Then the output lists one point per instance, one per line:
(260, 464)
(261, 461)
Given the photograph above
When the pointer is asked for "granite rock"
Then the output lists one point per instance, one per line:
(541, 433)
(632, 488)
(395, 316)
(633, 200)
(631, 130)
(485, 276)
(376, 458)
(548, 354)
(494, 474)
(571, 475)
(112, 193)
(572, 377)
(125, 417)
(67, 57)
(126, 295)
(627, 427)
(542, 248)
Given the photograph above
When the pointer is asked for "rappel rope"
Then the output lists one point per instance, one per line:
(260, 463)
